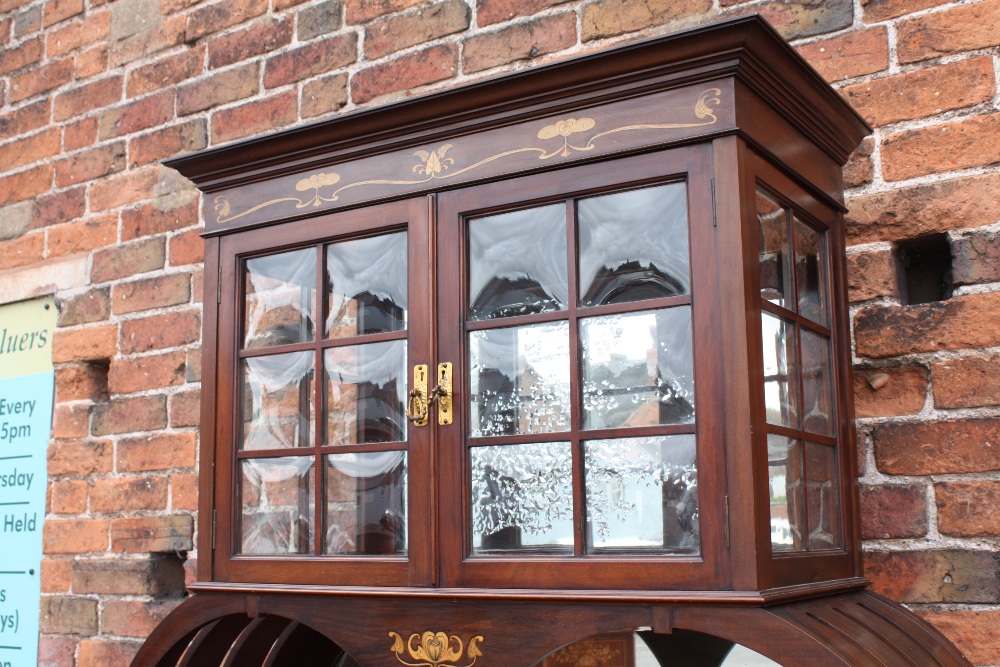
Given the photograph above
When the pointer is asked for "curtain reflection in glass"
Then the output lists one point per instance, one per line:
(519, 380)
(522, 497)
(781, 375)
(642, 494)
(517, 263)
(366, 286)
(365, 393)
(634, 245)
(277, 396)
(637, 369)
(366, 503)
(775, 272)
(824, 501)
(784, 465)
(280, 299)
(809, 275)
(277, 501)
(817, 383)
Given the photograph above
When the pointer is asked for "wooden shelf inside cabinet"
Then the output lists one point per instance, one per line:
(567, 344)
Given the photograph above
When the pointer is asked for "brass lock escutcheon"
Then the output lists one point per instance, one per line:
(419, 406)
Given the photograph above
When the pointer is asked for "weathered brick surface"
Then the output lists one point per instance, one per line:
(519, 42)
(309, 60)
(967, 382)
(872, 274)
(969, 630)
(896, 511)
(127, 415)
(85, 344)
(608, 18)
(129, 259)
(254, 40)
(132, 618)
(151, 293)
(967, 28)
(106, 653)
(888, 392)
(941, 148)
(408, 71)
(253, 117)
(159, 332)
(156, 575)
(220, 88)
(430, 22)
(68, 615)
(157, 452)
(937, 448)
(152, 534)
(939, 575)
(75, 536)
(968, 509)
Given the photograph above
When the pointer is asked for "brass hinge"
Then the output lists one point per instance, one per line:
(215, 522)
(727, 522)
(218, 286)
(715, 214)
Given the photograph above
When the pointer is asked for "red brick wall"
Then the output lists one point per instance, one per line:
(94, 94)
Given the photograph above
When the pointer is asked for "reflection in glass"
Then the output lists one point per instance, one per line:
(280, 299)
(365, 503)
(781, 375)
(824, 501)
(517, 263)
(817, 383)
(775, 272)
(634, 245)
(522, 497)
(277, 506)
(642, 494)
(784, 468)
(277, 397)
(366, 286)
(809, 272)
(365, 393)
(519, 379)
(637, 369)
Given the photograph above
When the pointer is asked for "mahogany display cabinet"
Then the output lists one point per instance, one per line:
(558, 355)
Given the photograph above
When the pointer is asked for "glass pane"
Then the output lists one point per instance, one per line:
(784, 467)
(781, 375)
(642, 494)
(775, 272)
(817, 384)
(277, 501)
(365, 393)
(824, 500)
(809, 274)
(637, 369)
(280, 299)
(517, 263)
(277, 401)
(519, 379)
(366, 503)
(634, 245)
(522, 497)
(366, 286)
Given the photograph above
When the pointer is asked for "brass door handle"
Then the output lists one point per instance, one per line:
(419, 405)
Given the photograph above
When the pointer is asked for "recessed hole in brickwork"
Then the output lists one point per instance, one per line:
(99, 376)
(926, 269)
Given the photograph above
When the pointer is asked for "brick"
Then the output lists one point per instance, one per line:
(881, 10)
(68, 615)
(938, 448)
(159, 534)
(90, 96)
(218, 89)
(522, 41)
(923, 93)
(69, 496)
(803, 19)
(959, 323)
(59, 207)
(310, 60)
(26, 184)
(158, 292)
(257, 39)
(94, 305)
(75, 536)
(931, 150)
(82, 382)
(92, 62)
(83, 236)
(158, 452)
(80, 458)
(126, 415)
(938, 575)
(208, 19)
(164, 34)
(184, 491)
(125, 188)
(968, 509)
(60, 10)
(80, 134)
(489, 12)
(106, 653)
(27, 53)
(23, 251)
(157, 575)
(40, 80)
(128, 259)
(133, 493)
(84, 344)
(90, 164)
(430, 22)
(185, 409)
(140, 374)
(254, 117)
(187, 248)
(324, 95)
(31, 149)
(57, 575)
(167, 142)
(608, 18)
(57, 651)
(16, 219)
(165, 72)
(975, 258)
(134, 618)
(849, 55)
(28, 21)
(70, 421)
(160, 332)
(362, 11)
(318, 20)
(967, 382)
(967, 630)
(143, 114)
(157, 218)
(961, 203)
(966, 28)
(901, 391)
(27, 118)
(871, 275)
(897, 511)
(134, 17)
(407, 72)
(71, 37)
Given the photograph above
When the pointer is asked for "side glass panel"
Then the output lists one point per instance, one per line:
(817, 384)
(277, 401)
(809, 274)
(781, 375)
(365, 393)
(366, 286)
(824, 499)
(278, 505)
(784, 465)
(775, 272)
(365, 503)
(280, 305)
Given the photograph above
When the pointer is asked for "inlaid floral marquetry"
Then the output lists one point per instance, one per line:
(432, 649)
